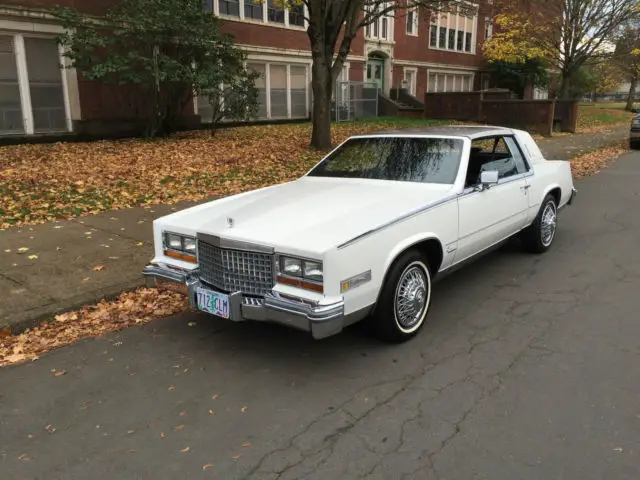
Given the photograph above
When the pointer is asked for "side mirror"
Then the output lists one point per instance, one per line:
(488, 178)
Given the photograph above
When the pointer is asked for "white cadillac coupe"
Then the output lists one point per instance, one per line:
(363, 234)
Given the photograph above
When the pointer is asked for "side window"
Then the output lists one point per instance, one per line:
(517, 155)
(501, 160)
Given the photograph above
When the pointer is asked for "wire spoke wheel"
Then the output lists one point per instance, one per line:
(412, 297)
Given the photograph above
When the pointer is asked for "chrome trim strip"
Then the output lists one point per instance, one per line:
(502, 181)
(315, 314)
(163, 271)
(221, 242)
(441, 201)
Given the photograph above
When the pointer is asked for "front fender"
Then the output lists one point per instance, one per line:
(407, 243)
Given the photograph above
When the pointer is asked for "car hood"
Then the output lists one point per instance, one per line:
(310, 214)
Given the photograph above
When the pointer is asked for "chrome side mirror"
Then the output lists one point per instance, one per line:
(487, 179)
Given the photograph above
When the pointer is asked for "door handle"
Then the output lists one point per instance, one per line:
(526, 187)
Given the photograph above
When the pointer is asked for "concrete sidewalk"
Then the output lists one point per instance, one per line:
(62, 277)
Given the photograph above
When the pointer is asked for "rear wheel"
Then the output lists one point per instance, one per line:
(404, 300)
(539, 236)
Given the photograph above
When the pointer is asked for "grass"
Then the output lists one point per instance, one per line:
(597, 116)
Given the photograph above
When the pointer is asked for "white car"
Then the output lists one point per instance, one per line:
(366, 231)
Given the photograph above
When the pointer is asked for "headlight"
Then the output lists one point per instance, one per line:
(189, 245)
(312, 270)
(291, 266)
(181, 247)
(300, 273)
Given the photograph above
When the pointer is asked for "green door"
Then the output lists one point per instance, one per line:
(375, 72)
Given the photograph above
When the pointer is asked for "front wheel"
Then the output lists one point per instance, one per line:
(404, 300)
(538, 237)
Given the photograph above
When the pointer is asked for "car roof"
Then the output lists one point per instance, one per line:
(469, 131)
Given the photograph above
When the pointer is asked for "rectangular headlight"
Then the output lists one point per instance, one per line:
(173, 241)
(181, 247)
(291, 266)
(312, 270)
(300, 273)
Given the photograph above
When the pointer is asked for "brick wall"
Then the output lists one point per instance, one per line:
(532, 115)
(91, 6)
(453, 106)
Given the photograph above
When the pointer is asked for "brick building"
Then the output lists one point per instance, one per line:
(433, 53)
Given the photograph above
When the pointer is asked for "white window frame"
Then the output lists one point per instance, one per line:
(267, 85)
(414, 82)
(488, 28)
(265, 20)
(448, 24)
(20, 57)
(412, 21)
(374, 30)
(458, 79)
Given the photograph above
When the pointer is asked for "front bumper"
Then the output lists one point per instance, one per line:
(320, 320)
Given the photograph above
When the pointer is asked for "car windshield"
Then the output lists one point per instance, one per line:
(405, 159)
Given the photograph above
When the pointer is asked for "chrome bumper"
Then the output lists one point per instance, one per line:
(320, 320)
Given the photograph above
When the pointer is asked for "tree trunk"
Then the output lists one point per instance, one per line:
(565, 85)
(632, 94)
(322, 87)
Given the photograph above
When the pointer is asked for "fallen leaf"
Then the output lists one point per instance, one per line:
(162, 435)
(236, 457)
(98, 268)
(32, 257)
(23, 249)
(8, 250)
(131, 431)
(139, 244)
(208, 465)
(210, 412)
(213, 397)
(192, 324)
(172, 387)
(58, 226)
(129, 308)
(50, 428)
(185, 450)
(179, 427)
(182, 414)
(59, 373)
(246, 444)
(243, 409)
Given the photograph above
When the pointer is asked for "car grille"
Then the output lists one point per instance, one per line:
(250, 273)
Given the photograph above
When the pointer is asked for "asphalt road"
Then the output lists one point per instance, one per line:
(528, 369)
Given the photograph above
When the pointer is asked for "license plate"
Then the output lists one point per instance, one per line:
(213, 302)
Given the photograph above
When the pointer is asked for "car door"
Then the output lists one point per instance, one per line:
(487, 216)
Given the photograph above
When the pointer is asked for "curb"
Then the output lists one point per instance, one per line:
(32, 318)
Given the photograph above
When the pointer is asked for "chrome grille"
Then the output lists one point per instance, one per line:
(235, 270)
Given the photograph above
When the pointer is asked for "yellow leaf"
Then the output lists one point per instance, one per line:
(185, 450)
(32, 257)
(98, 268)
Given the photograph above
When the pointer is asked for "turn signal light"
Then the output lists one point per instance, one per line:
(180, 256)
(297, 282)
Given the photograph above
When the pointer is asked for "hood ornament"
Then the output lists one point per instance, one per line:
(229, 222)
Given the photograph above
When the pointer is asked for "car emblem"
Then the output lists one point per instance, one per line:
(229, 222)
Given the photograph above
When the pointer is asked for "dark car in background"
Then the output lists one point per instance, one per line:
(634, 131)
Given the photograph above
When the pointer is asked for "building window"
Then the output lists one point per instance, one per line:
(296, 15)
(410, 80)
(412, 22)
(381, 28)
(488, 28)
(230, 8)
(275, 14)
(10, 104)
(440, 82)
(283, 90)
(253, 10)
(454, 31)
(261, 85)
(32, 91)
(443, 38)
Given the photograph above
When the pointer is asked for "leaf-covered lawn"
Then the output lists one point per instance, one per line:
(63, 180)
(595, 117)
